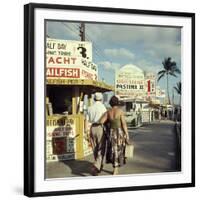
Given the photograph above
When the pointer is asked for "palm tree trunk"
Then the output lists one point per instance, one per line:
(168, 89)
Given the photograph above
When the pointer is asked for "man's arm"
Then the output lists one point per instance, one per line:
(103, 118)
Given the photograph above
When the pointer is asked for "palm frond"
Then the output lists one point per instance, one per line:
(161, 72)
(177, 70)
(160, 77)
(178, 88)
(173, 64)
(168, 64)
(172, 74)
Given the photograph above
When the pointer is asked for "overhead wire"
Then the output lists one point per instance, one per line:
(97, 49)
(69, 28)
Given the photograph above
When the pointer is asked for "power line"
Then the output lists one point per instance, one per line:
(94, 43)
(86, 36)
(69, 28)
(98, 49)
(76, 28)
(95, 49)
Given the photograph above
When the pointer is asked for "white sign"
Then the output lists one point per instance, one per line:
(69, 48)
(60, 136)
(129, 82)
(150, 84)
(64, 128)
(69, 59)
(160, 93)
(150, 75)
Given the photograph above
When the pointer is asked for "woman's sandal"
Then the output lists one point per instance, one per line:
(115, 171)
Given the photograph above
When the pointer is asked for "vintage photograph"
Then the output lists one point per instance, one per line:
(113, 99)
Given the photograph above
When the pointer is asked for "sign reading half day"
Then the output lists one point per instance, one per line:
(69, 59)
(129, 81)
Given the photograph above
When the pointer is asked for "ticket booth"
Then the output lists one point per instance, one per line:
(65, 115)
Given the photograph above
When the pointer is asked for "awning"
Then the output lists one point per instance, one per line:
(84, 84)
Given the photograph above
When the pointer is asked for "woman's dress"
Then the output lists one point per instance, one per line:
(116, 143)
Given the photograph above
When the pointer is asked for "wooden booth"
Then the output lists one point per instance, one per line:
(66, 105)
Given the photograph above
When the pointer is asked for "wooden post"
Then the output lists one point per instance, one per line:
(80, 138)
(75, 96)
(89, 100)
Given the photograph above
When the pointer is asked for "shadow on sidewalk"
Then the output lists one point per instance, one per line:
(79, 167)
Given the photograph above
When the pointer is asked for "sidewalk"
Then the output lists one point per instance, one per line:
(155, 151)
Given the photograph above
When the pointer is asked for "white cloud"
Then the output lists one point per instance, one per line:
(158, 52)
(154, 42)
(136, 43)
(133, 33)
(168, 50)
(119, 53)
(94, 32)
(109, 65)
(148, 66)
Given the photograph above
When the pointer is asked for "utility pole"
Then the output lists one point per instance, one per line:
(82, 31)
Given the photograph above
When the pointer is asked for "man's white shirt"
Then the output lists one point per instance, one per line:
(96, 111)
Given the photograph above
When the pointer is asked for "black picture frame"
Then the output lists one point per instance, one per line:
(29, 97)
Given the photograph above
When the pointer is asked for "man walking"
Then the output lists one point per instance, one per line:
(97, 137)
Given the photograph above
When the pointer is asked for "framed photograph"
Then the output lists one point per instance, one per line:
(109, 99)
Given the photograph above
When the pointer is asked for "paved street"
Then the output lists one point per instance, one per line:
(155, 151)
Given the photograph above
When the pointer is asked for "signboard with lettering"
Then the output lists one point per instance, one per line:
(79, 82)
(129, 82)
(160, 93)
(69, 59)
(146, 116)
(60, 138)
(150, 84)
(60, 127)
(65, 138)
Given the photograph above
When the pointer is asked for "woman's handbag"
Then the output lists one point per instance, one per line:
(129, 151)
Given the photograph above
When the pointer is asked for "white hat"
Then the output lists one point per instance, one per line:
(98, 96)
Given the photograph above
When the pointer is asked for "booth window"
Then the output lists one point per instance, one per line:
(61, 99)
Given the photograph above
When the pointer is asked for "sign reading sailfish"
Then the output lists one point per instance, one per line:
(130, 82)
(66, 59)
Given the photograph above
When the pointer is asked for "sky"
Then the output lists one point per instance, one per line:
(116, 45)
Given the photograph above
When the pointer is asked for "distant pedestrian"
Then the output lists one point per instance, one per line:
(175, 114)
(118, 135)
(159, 114)
(97, 137)
(165, 114)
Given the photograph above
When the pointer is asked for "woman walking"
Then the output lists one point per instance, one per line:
(118, 134)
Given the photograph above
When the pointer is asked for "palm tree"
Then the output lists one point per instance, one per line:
(170, 68)
(178, 90)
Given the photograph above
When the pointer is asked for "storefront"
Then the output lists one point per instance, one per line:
(66, 101)
(71, 79)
